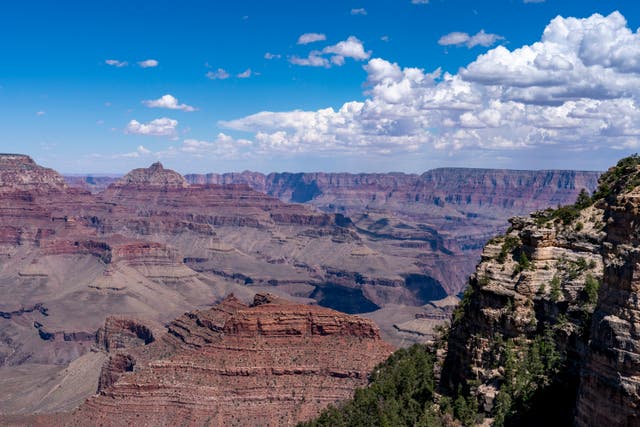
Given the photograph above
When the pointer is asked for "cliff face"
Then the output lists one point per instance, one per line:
(465, 206)
(521, 331)
(453, 209)
(548, 329)
(610, 387)
(270, 363)
(432, 194)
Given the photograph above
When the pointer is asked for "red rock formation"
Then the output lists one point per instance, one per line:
(452, 208)
(124, 332)
(271, 363)
(518, 192)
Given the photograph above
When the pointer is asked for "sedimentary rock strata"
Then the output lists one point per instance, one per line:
(271, 363)
(610, 381)
(528, 300)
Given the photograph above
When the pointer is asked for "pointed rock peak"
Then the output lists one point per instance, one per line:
(157, 166)
(154, 176)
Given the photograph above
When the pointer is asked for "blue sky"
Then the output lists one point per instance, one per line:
(395, 85)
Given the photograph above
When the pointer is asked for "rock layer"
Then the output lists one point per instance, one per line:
(527, 294)
(458, 208)
(271, 363)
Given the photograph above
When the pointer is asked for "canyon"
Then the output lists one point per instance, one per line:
(545, 333)
(153, 245)
(441, 218)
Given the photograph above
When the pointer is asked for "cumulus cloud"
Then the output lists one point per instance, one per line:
(159, 127)
(40, 113)
(148, 63)
(270, 55)
(219, 74)
(245, 74)
(307, 38)
(578, 88)
(168, 101)
(419, 1)
(457, 38)
(223, 146)
(334, 54)
(359, 11)
(116, 63)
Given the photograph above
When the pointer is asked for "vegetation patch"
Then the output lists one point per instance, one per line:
(510, 243)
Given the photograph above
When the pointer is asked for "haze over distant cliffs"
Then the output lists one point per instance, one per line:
(441, 218)
(465, 207)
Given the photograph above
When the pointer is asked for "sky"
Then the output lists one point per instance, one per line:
(355, 86)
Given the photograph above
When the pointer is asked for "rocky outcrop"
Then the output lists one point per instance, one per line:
(154, 176)
(610, 383)
(547, 332)
(20, 172)
(271, 363)
(519, 336)
(123, 332)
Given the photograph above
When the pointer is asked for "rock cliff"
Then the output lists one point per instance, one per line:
(20, 172)
(462, 207)
(547, 329)
(610, 384)
(270, 363)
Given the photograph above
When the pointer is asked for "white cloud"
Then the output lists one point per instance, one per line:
(313, 60)
(168, 101)
(270, 55)
(245, 74)
(307, 38)
(40, 113)
(159, 127)
(224, 146)
(139, 152)
(533, 1)
(359, 11)
(457, 38)
(116, 63)
(334, 54)
(148, 63)
(219, 74)
(578, 88)
(421, 1)
(350, 48)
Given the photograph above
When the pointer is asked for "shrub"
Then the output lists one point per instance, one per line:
(591, 286)
(510, 243)
(555, 289)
